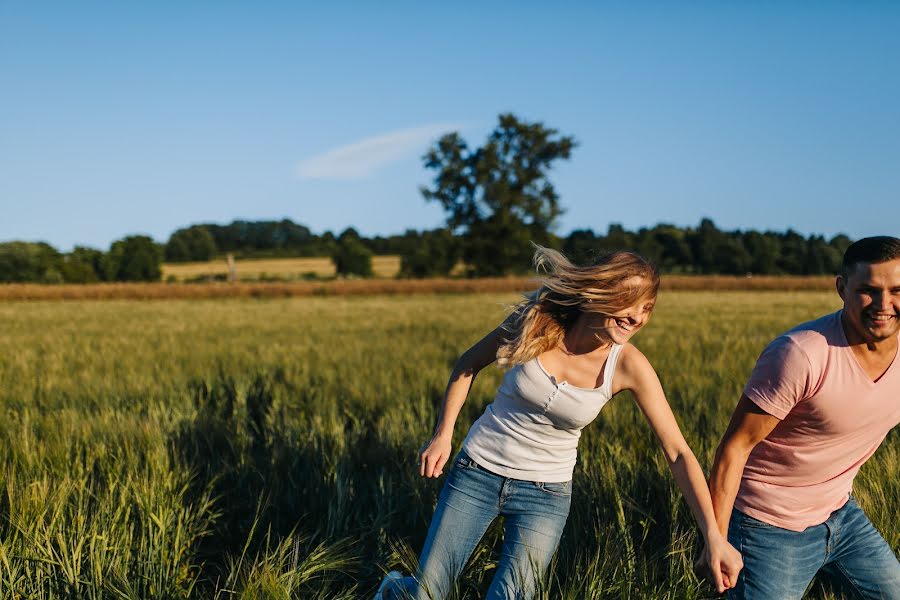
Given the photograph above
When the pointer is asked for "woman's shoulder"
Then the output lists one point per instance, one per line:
(629, 354)
(633, 364)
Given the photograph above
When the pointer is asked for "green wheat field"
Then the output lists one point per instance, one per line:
(265, 448)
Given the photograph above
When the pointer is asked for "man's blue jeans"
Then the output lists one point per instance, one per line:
(534, 517)
(780, 564)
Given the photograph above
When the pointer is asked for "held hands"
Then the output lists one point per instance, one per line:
(719, 563)
(433, 456)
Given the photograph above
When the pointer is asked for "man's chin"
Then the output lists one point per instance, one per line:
(882, 336)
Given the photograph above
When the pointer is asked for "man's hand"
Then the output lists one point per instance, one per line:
(719, 564)
(433, 456)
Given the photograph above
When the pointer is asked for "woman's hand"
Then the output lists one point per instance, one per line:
(433, 456)
(720, 563)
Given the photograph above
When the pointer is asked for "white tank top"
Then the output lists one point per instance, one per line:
(531, 429)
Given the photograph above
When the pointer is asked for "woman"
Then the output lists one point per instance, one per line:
(567, 346)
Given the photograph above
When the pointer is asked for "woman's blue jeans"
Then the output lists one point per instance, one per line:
(534, 517)
(780, 564)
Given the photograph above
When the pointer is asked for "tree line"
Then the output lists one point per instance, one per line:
(704, 249)
(498, 200)
(134, 258)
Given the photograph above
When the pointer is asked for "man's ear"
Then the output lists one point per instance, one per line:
(840, 284)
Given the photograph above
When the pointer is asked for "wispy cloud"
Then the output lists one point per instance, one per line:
(366, 156)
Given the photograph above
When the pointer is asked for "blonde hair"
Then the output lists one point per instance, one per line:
(613, 283)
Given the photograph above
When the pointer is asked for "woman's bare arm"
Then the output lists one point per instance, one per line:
(638, 375)
(436, 452)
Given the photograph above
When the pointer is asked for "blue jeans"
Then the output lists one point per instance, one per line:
(780, 564)
(535, 514)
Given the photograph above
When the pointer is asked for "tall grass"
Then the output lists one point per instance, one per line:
(265, 448)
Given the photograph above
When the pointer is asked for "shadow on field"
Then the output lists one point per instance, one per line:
(279, 462)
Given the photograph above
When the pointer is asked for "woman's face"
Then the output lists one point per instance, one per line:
(620, 327)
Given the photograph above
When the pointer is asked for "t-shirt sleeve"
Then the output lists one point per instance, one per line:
(781, 378)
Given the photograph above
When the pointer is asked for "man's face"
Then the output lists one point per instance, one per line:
(871, 295)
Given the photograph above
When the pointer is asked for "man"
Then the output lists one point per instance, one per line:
(819, 402)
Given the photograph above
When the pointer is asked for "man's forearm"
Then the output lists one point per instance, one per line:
(724, 482)
(749, 426)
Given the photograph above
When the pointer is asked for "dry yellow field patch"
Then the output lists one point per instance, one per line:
(273, 268)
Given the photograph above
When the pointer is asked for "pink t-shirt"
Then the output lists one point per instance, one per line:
(833, 418)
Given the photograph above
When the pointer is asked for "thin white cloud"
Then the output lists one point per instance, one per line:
(366, 156)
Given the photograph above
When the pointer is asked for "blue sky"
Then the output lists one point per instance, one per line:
(127, 117)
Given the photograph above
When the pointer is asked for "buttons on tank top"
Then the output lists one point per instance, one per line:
(550, 398)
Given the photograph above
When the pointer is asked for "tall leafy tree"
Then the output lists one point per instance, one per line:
(793, 255)
(36, 262)
(616, 238)
(82, 265)
(840, 243)
(194, 243)
(581, 245)
(134, 258)
(707, 243)
(499, 196)
(675, 252)
(429, 254)
(350, 256)
(764, 248)
(821, 257)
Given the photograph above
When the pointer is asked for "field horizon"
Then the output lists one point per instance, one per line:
(377, 286)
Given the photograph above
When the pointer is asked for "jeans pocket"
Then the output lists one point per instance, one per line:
(555, 489)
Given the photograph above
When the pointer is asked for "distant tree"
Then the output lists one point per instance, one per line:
(840, 243)
(266, 238)
(674, 250)
(393, 244)
(351, 256)
(648, 246)
(499, 196)
(792, 258)
(327, 242)
(35, 262)
(194, 243)
(821, 257)
(82, 265)
(616, 238)
(581, 246)
(349, 234)
(431, 254)
(707, 243)
(731, 256)
(134, 258)
(177, 249)
(584, 246)
(764, 250)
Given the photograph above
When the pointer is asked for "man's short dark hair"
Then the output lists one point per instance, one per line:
(870, 250)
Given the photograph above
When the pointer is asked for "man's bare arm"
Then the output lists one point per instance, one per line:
(749, 425)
